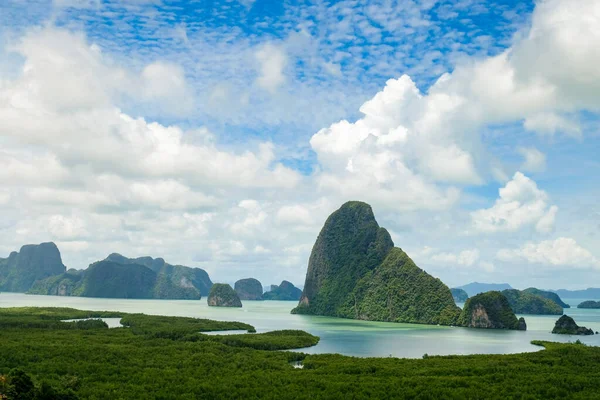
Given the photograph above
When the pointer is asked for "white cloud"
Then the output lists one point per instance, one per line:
(551, 123)
(521, 204)
(465, 258)
(561, 252)
(66, 228)
(535, 160)
(272, 61)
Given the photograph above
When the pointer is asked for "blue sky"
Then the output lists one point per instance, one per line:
(210, 133)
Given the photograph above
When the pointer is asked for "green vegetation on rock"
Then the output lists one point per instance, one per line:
(548, 295)
(459, 295)
(524, 302)
(284, 291)
(567, 326)
(354, 271)
(122, 277)
(489, 310)
(126, 363)
(33, 262)
(589, 304)
(223, 295)
(249, 289)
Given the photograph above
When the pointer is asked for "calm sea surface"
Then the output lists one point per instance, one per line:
(349, 337)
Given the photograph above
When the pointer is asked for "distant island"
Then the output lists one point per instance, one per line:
(548, 295)
(589, 304)
(33, 262)
(528, 302)
(354, 271)
(284, 291)
(223, 295)
(459, 295)
(475, 288)
(120, 277)
(249, 289)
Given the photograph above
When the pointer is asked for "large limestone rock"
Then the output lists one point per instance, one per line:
(33, 262)
(490, 310)
(223, 295)
(354, 271)
(249, 289)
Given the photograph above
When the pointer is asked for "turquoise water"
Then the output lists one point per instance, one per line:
(348, 337)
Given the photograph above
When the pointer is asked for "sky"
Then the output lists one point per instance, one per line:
(221, 133)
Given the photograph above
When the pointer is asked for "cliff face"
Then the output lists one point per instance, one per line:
(223, 295)
(524, 302)
(567, 326)
(249, 289)
(21, 270)
(285, 291)
(489, 310)
(354, 271)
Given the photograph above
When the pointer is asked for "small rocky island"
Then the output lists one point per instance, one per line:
(567, 326)
(589, 304)
(490, 310)
(249, 289)
(285, 291)
(223, 295)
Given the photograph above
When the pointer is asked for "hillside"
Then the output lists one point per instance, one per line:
(33, 262)
(354, 271)
(523, 302)
(548, 295)
(459, 295)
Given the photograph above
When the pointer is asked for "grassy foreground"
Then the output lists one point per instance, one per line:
(168, 358)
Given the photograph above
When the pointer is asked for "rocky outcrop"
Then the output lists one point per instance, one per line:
(223, 295)
(21, 270)
(354, 271)
(459, 295)
(249, 289)
(589, 304)
(286, 291)
(490, 310)
(567, 326)
(524, 302)
(548, 295)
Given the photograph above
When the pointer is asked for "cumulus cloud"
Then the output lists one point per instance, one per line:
(521, 204)
(561, 252)
(465, 258)
(551, 123)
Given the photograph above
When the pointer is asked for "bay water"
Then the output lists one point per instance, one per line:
(343, 336)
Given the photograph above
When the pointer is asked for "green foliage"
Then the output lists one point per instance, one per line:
(399, 291)
(527, 302)
(459, 295)
(249, 289)
(119, 364)
(548, 295)
(567, 326)
(589, 304)
(489, 310)
(285, 291)
(223, 295)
